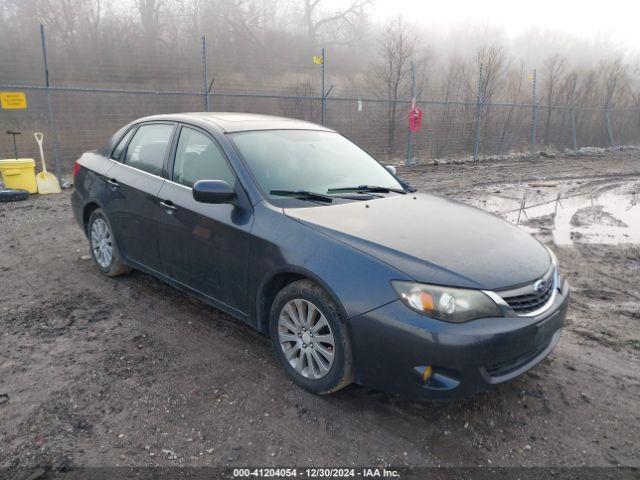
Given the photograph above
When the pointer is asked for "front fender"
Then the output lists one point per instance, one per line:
(357, 281)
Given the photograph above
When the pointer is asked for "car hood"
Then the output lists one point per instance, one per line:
(434, 240)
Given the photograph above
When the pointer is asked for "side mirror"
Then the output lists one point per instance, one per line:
(391, 169)
(213, 191)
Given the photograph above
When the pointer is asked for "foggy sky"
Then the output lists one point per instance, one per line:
(615, 21)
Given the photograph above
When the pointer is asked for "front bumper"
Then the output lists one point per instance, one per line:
(392, 345)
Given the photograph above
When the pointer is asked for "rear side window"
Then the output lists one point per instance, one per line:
(148, 147)
(198, 157)
(117, 152)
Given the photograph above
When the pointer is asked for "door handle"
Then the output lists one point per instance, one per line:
(114, 183)
(168, 206)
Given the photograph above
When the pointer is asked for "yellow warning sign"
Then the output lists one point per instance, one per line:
(317, 60)
(13, 100)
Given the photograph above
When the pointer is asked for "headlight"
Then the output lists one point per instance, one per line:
(449, 304)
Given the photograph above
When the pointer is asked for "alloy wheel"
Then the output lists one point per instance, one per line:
(101, 242)
(306, 339)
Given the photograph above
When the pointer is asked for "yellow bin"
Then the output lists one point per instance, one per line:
(19, 173)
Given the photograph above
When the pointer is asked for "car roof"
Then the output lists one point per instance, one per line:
(239, 122)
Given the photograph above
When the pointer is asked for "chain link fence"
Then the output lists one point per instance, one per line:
(78, 108)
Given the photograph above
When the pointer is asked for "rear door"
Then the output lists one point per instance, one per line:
(204, 246)
(135, 180)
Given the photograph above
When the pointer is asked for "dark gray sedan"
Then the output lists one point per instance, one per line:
(292, 228)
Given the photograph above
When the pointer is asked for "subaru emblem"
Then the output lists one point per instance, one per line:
(540, 286)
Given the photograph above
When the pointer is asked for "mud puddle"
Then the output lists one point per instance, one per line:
(608, 215)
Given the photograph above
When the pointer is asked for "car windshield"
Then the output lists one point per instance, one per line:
(309, 161)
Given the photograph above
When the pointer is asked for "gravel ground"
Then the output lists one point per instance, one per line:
(102, 372)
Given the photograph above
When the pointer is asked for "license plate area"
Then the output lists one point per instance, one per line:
(546, 329)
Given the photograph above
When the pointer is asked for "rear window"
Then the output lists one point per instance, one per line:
(148, 146)
(117, 152)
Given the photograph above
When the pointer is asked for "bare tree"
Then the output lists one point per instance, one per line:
(149, 11)
(484, 78)
(264, 46)
(451, 89)
(514, 89)
(315, 20)
(634, 91)
(393, 70)
(615, 72)
(553, 70)
(244, 18)
(495, 64)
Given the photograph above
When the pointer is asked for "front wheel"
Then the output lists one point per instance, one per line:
(310, 338)
(103, 246)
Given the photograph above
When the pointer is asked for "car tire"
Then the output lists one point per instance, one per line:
(320, 373)
(99, 228)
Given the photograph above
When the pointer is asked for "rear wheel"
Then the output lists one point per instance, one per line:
(310, 338)
(103, 246)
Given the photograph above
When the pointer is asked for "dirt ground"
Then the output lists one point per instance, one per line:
(102, 372)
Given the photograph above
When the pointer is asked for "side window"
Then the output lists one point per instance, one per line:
(117, 152)
(199, 158)
(148, 146)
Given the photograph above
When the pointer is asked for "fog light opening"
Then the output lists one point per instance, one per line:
(426, 373)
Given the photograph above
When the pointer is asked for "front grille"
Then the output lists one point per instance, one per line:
(530, 302)
(526, 299)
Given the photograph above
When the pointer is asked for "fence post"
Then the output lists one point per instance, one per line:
(479, 101)
(607, 121)
(574, 135)
(324, 95)
(50, 117)
(413, 102)
(205, 76)
(534, 114)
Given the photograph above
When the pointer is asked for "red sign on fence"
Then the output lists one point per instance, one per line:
(415, 118)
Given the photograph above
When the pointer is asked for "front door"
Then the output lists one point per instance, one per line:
(133, 206)
(204, 246)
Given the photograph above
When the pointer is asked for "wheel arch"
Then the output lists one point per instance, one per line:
(87, 210)
(276, 281)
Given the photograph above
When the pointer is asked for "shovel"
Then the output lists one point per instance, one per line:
(47, 182)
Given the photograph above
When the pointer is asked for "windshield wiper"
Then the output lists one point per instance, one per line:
(302, 195)
(408, 187)
(367, 188)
